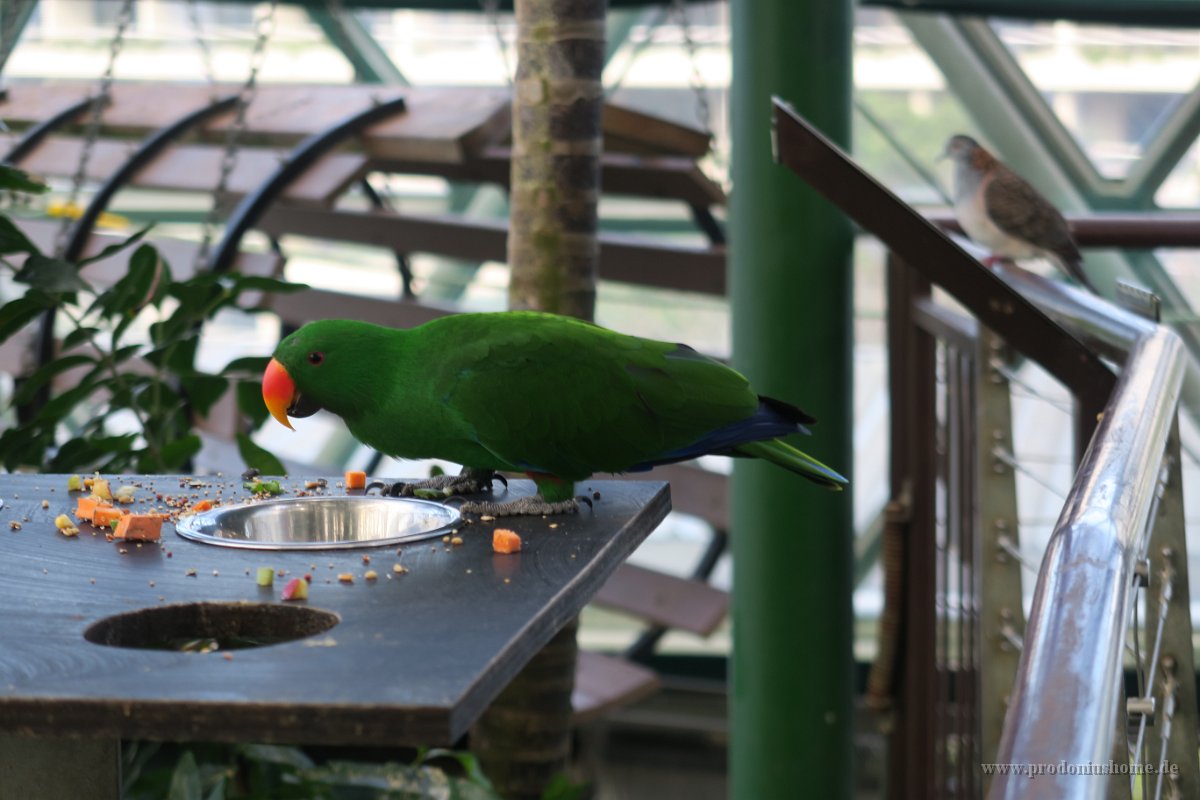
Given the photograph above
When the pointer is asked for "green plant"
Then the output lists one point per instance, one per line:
(127, 355)
(156, 771)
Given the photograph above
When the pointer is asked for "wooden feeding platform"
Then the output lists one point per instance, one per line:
(408, 658)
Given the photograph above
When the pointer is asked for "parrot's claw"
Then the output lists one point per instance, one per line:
(533, 506)
(440, 487)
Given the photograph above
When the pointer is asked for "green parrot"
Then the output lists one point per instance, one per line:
(523, 391)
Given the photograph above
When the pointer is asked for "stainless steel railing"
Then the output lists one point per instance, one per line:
(1061, 736)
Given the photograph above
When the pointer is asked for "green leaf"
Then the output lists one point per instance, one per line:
(176, 452)
(12, 240)
(258, 458)
(16, 180)
(185, 781)
(466, 760)
(16, 314)
(51, 275)
(203, 391)
(43, 375)
(254, 365)
(246, 283)
(134, 286)
(562, 788)
(113, 249)
(250, 402)
(82, 453)
(122, 354)
(25, 445)
(292, 757)
(218, 789)
(79, 336)
(65, 403)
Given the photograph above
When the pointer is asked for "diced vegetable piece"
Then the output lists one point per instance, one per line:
(356, 479)
(105, 516)
(203, 505)
(506, 541)
(125, 494)
(265, 576)
(263, 487)
(65, 526)
(296, 589)
(85, 507)
(142, 527)
(74, 484)
(100, 489)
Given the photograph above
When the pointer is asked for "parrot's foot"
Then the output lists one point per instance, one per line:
(439, 487)
(533, 506)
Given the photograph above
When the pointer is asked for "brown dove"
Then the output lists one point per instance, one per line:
(1000, 210)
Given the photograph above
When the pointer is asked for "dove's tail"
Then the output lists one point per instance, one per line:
(1072, 264)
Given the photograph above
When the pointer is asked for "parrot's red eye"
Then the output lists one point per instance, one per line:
(316, 358)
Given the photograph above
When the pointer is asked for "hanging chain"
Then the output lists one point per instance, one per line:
(206, 58)
(695, 79)
(492, 9)
(264, 26)
(92, 131)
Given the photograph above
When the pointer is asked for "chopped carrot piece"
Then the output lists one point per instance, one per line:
(86, 506)
(506, 541)
(144, 527)
(356, 479)
(203, 505)
(103, 516)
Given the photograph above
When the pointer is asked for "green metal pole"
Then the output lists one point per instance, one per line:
(791, 286)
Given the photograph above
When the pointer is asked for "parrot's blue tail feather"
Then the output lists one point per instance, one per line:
(753, 436)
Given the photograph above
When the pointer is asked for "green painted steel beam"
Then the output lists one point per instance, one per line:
(371, 62)
(14, 16)
(1146, 13)
(1171, 143)
(791, 292)
(442, 5)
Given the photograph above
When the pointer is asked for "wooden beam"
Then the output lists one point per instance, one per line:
(441, 124)
(624, 258)
(666, 177)
(194, 168)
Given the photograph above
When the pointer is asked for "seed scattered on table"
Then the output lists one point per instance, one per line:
(370, 575)
(346, 577)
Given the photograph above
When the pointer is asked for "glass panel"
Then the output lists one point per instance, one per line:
(901, 94)
(1113, 88)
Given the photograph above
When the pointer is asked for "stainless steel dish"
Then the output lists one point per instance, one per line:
(320, 523)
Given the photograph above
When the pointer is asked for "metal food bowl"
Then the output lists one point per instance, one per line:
(320, 523)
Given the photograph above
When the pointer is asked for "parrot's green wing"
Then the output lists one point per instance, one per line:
(548, 394)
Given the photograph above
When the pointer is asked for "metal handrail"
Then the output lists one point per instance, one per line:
(1070, 678)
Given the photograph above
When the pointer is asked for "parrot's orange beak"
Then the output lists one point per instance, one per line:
(279, 391)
